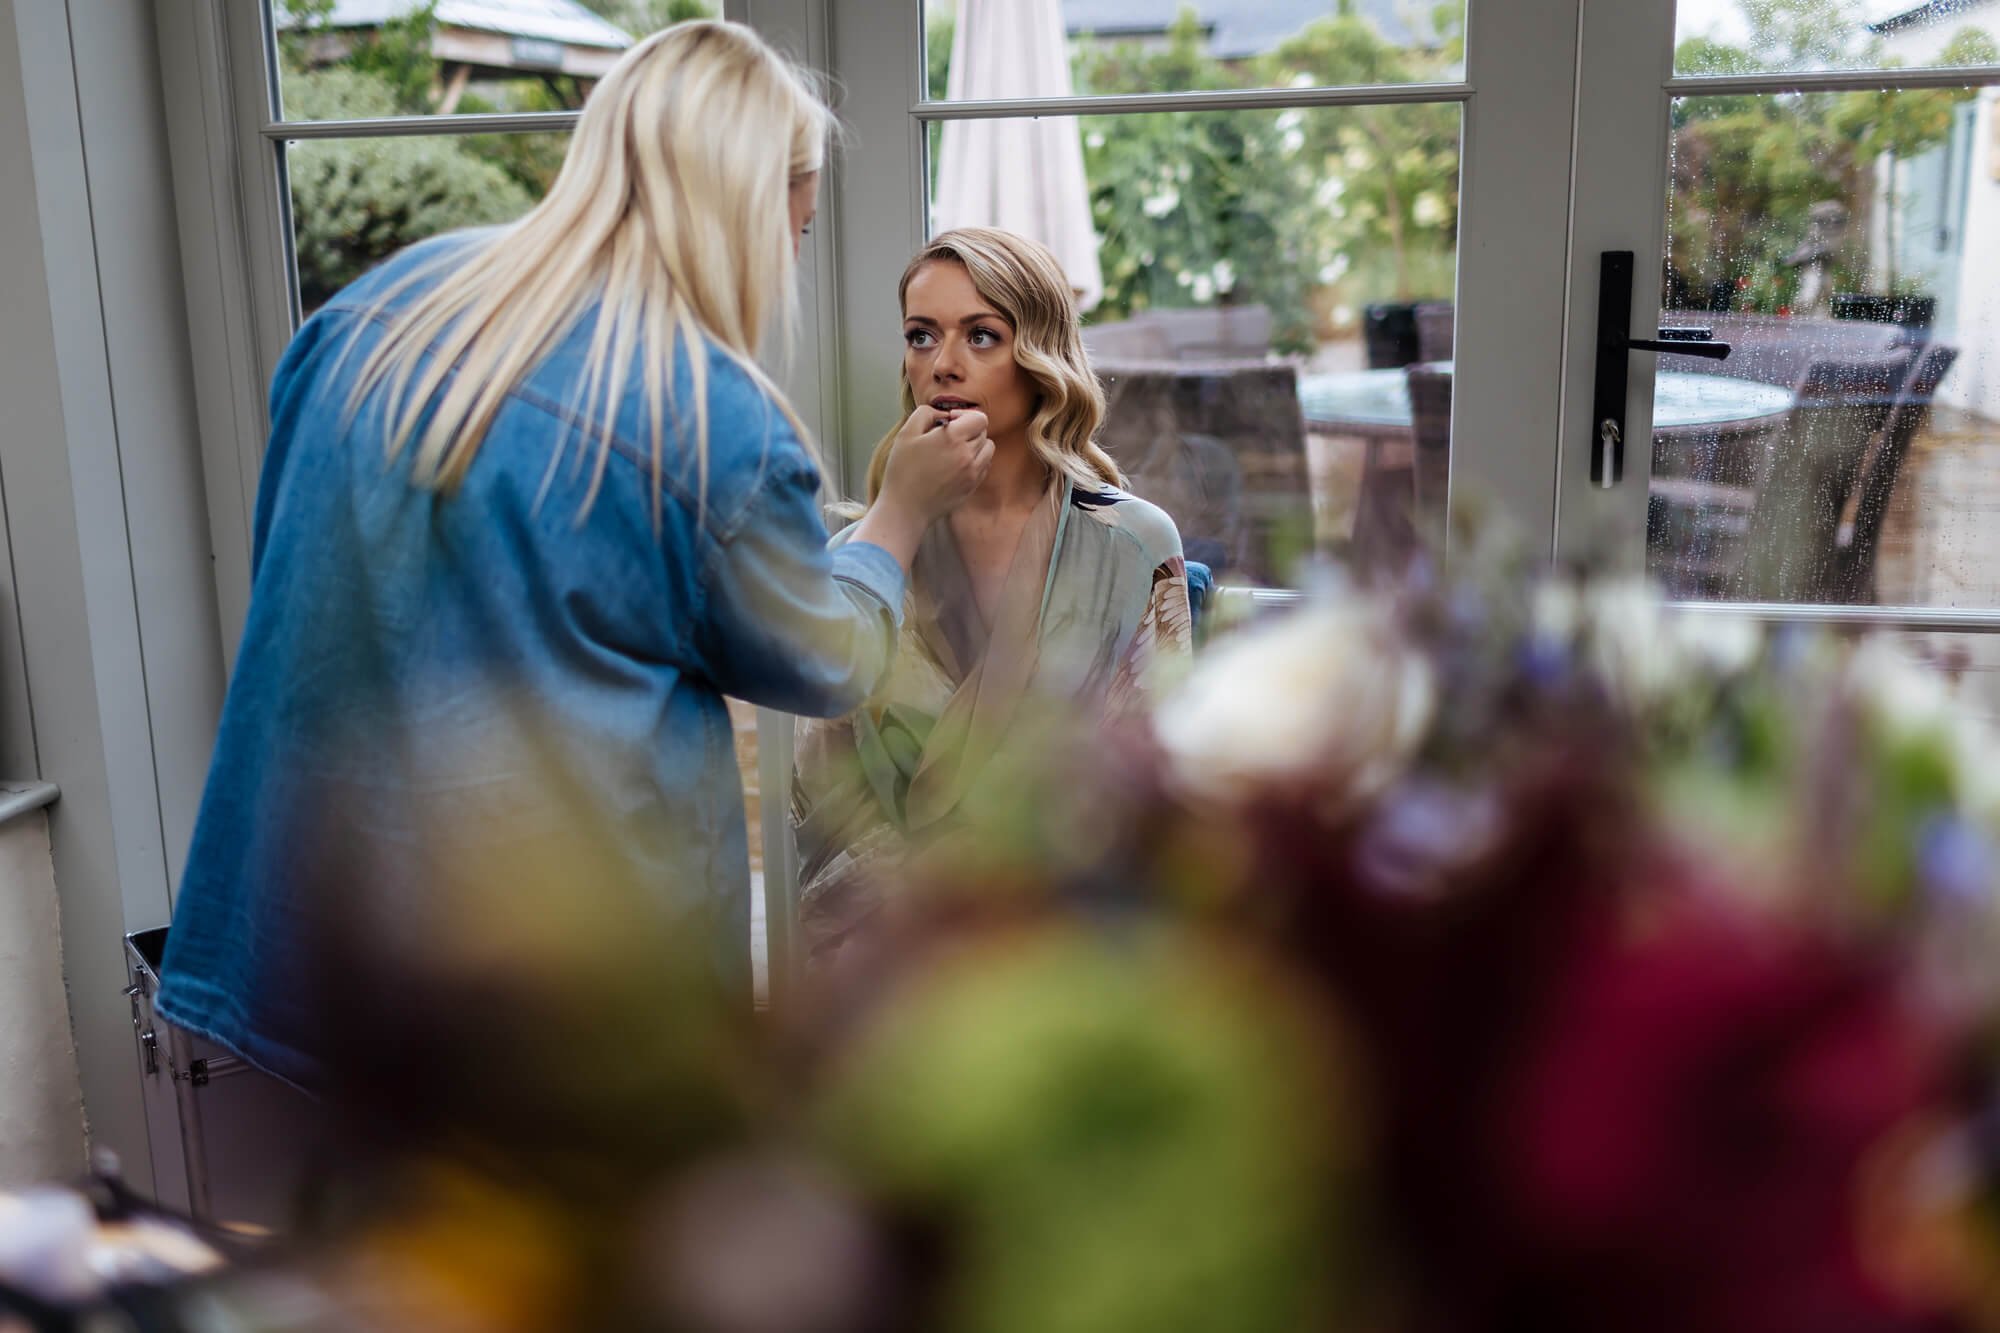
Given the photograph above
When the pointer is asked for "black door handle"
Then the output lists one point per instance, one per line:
(1615, 345)
(1683, 342)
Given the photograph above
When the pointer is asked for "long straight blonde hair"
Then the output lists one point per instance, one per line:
(670, 215)
(1027, 287)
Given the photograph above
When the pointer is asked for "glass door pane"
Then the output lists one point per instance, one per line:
(1766, 36)
(1819, 203)
(1848, 450)
(1267, 291)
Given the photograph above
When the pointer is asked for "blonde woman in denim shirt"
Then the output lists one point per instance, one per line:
(529, 510)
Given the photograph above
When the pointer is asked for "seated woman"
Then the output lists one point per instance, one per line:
(1050, 581)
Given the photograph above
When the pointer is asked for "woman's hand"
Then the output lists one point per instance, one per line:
(938, 460)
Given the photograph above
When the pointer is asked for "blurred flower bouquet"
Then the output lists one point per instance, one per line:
(1478, 958)
(1491, 956)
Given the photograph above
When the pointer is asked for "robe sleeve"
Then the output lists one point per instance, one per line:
(1165, 638)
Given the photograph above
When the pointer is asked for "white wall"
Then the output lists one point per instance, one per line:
(105, 508)
(41, 1102)
(1974, 382)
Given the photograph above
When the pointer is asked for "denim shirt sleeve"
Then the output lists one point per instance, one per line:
(292, 387)
(791, 625)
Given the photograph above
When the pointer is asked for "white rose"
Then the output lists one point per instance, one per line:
(1640, 649)
(1905, 696)
(1630, 645)
(1976, 755)
(1556, 613)
(1331, 694)
(1723, 645)
(1913, 701)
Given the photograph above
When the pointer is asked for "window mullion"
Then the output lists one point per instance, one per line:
(1235, 99)
(1834, 81)
(390, 127)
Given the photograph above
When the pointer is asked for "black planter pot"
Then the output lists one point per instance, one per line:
(1389, 333)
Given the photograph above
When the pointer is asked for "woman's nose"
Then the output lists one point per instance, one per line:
(944, 365)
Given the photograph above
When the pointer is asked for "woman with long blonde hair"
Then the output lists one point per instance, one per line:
(1051, 581)
(528, 512)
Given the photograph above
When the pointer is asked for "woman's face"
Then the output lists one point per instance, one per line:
(958, 353)
(804, 203)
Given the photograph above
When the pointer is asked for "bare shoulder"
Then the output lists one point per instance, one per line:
(1146, 523)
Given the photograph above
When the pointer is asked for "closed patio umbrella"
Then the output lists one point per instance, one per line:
(1020, 173)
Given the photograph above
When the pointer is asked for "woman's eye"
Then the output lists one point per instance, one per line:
(984, 338)
(917, 338)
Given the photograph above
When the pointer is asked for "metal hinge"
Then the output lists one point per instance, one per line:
(149, 1039)
(199, 1072)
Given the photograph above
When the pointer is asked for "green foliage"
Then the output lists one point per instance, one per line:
(1082, 1114)
(357, 201)
(940, 25)
(1395, 220)
(1806, 34)
(1747, 170)
(1289, 209)
(397, 54)
(1745, 173)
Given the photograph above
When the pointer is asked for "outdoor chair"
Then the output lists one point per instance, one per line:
(1430, 469)
(1221, 448)
(1401, 508)
(1775, 539)
(1859, 542)
(1436, 323)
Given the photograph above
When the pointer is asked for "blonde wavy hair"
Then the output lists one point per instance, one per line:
(670, 215)
(1026, 287)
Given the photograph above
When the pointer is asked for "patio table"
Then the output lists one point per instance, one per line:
(1376, 403)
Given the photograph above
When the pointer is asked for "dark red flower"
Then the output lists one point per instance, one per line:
(1683, 1144)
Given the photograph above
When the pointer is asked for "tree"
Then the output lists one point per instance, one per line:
(1278, 207)
(1746, 171)
(395, 53)
(1396, 219)
(357, 201)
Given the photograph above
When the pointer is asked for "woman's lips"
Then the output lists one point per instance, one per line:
(951, 404)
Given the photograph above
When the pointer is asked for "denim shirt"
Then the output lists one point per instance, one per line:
(474, 670)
